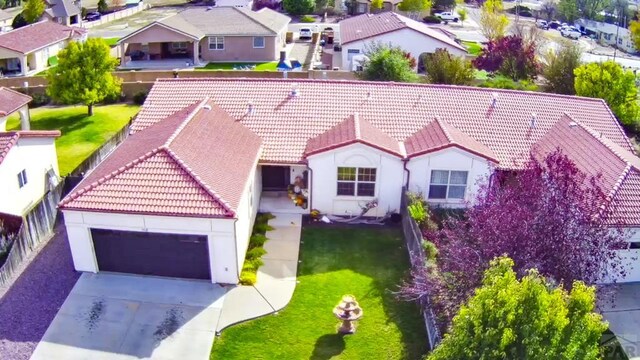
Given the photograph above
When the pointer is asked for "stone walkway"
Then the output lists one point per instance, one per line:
(276, 278)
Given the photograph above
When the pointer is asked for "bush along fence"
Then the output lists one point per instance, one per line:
(417, 255)
(37, 226)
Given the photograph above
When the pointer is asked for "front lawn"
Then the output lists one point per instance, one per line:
(473, 48)
(366, 262)
(266, 66)
(81, 134)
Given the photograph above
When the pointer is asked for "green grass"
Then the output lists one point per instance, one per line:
(473, 48)
(111, 41)
(266, 66)
(367, 262)
(81, 134)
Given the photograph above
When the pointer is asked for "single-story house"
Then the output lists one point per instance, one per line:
(199, 35)
(28, 160)
(608, 34)
(359, 33)
(65, 12)
(178, 197)
(364, 6)
(27, 50)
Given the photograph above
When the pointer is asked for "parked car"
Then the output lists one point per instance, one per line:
(305, 33)
(92, 16)
(542, 24)
(570, 32)
(447, 16)
(554, 25)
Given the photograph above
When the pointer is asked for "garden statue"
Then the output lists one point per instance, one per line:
(348, 311)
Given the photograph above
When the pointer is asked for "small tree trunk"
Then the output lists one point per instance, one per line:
(90, 109)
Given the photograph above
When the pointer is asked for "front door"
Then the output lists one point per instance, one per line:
(275, 178)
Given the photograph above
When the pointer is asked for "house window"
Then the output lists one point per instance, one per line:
(448, 184)
(216, 43)
(179, 45)
(356, 181)
(22, 178)
(258, 42)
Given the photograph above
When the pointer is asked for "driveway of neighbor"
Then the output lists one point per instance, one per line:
(624, 318)
(115, 316)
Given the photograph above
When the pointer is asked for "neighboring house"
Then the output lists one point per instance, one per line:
(6, 19)
(236, 3)
(27, 50)
(359, 33)
(65, 12)
(364, 6)
(28, 161)
(202, 151)
(201, 35)
(608, 34)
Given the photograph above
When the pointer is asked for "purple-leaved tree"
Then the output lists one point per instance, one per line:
(549, 216)
(509, 56)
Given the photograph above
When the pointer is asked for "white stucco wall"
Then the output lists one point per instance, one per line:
(409, 40)
(389, 180)
(220, 234)
(36, 156)
(448, 159)
(236, 3)
(246, 214)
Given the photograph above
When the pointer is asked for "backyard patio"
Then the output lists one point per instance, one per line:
(367, 262)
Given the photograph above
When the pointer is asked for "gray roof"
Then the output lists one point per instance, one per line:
(230, 21)
(62, 8)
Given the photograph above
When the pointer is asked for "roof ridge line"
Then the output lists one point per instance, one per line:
(198, 180)
(186, 121)
(356, 125)
(74, 194)
(445, 130)
(246, 14)
(621, 179)
(598, 137)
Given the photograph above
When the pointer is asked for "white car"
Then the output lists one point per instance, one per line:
(305, 34)
(570, 32)
(447, 16)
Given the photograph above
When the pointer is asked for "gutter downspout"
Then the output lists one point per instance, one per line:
(404, 165)
(310, 200)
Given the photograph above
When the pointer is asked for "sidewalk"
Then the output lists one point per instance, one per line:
(276, 278)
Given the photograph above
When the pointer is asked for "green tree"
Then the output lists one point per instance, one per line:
(416, 6)
(591, 9)
(568, 10)
(83, 74)
(376, 4)
(444, 4)
(102, 6)
(388, 64)
(559, 68)
(608, 81)
(493, 23)
(442, 68)
(298, 7)
(463, 15)
(529, 318)
(33, 10)
(634, 28)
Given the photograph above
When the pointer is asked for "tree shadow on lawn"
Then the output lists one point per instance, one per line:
(328, 346)
(377, 252)
(65, 124)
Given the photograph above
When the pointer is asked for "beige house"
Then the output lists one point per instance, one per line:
(364, 6)
(200, 35)
(5, 19)
(65, 12)
(31, 49)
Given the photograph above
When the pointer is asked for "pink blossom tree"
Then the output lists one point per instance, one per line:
(548, 216)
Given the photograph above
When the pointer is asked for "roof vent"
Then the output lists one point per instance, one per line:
(294, 90)
(207, 107)
(533, 120)
(369, 95)
(250, 108)
(494, 100)
(573, 124)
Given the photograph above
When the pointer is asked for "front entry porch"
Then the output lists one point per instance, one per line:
(285, 189)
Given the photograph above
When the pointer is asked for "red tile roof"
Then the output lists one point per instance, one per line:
(286, 122)
(350, 131)
(438, 135)
(38, 35)
(180, 166)
(367, 26)
(11, 100)
(595, 155)
(9, 138)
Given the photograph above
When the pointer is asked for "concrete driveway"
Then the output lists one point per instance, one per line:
(112, 316)
(624, 318)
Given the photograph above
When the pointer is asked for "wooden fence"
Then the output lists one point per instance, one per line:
(413, 239)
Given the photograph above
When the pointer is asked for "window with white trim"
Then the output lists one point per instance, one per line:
(216, 43)
(447, 184)
(22, 178)
(354, 181)
(258, 42)
(179, 45)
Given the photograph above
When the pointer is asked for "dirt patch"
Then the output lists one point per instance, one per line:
(92, 318)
